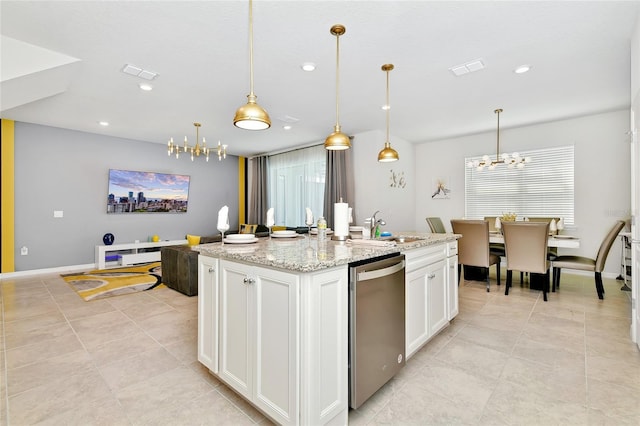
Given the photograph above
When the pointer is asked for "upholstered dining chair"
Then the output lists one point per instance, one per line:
(525, 246)
(588, 264)
(473, 247)
(495, 248)
(552, 252)
(436, 225)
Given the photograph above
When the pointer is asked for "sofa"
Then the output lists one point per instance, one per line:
(180, 263)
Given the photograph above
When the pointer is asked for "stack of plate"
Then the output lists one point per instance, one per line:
(284, 234)
(240, 238)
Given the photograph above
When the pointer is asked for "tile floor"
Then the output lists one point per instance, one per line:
(505, 360)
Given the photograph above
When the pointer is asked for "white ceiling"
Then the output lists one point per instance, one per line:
(579, 52)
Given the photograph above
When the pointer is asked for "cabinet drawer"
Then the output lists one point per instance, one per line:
(417, 258)
(452, 249)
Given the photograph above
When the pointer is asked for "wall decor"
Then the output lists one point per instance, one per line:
(147, 192)
(397, 180)
(440, 189)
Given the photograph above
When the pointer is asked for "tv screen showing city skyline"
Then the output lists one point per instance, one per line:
(147, 192)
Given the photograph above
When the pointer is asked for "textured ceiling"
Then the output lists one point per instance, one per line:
(579, 52)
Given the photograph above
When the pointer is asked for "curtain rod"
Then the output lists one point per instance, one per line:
(282, 151)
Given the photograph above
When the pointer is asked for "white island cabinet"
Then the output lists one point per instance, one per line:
(429, 298)
(273, 318)
(282, 338)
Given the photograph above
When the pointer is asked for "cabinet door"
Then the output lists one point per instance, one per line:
(416, 327)
(236, 317)
(276, 344)
(452, 286)
(208, 312)
(437, 296)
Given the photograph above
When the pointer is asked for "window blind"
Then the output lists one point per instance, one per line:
(543, 188)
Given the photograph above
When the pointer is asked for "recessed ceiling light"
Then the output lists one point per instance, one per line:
(386, 107)
(145, 86)
(522, 69)
(103, 123)
(287, 127)
(308, 66)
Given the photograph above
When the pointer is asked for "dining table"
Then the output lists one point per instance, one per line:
(559, 240)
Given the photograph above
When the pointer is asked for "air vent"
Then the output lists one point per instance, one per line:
(467, 67)
(139, 72)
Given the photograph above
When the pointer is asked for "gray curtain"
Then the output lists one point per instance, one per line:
(339, 182)
(257, 197)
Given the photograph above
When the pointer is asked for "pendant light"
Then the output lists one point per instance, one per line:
(337, 140)
(387, 154)
(512, 161)
(251, 116)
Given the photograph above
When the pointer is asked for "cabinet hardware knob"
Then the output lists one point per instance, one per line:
(431, 276)
(211, 270)
(249, 280)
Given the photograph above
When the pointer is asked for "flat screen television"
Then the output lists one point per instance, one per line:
(147, 192)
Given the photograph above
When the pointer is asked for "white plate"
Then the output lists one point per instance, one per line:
(294, 235)
(283, 233)
(243, 241)
(565, 237)
(240, 237)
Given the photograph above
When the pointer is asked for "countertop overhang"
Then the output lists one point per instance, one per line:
(304, 254)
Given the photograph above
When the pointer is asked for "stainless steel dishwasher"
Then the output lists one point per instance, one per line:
(376, 325)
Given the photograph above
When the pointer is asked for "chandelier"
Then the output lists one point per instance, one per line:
(512, 161)
(196, 150)
(387, 154)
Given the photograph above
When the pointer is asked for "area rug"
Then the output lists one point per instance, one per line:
(103, 283)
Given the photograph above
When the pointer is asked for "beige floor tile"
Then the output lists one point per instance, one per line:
(143, 366)
(505, 360)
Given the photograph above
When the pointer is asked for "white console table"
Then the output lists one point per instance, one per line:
(130, 254)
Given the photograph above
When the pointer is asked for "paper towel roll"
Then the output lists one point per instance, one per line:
(223, 219)
(341, 219)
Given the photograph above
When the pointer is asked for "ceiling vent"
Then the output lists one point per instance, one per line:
(139, 72)
(468, 67)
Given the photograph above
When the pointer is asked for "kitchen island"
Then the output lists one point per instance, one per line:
(273, 317)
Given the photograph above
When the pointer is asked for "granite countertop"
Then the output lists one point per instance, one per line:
(304, 254)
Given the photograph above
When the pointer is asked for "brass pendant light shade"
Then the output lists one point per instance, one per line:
(251, 116)
(388, 154)
(337, 140)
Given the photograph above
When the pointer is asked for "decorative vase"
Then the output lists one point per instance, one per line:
(155, 238)
(108, 239)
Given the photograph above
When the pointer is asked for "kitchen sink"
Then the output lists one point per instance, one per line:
(400, 239)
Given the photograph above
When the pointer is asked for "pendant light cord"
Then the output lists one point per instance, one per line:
(498, 111)
(251, 47)
(337, 81)
(388, 107)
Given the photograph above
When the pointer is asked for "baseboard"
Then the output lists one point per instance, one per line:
(56, 270)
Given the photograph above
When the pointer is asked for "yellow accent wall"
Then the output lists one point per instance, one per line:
(7, 143)
(242, 177)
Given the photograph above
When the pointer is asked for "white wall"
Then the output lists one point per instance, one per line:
(373, 182)
(602, 172)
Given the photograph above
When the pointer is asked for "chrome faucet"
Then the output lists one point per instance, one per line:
(375, 223)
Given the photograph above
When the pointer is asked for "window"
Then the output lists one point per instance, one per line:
(296, 181)
(544, 187)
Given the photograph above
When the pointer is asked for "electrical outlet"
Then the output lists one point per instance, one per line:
(24, 251)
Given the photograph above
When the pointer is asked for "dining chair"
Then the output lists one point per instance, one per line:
(552, 252)
(436, 225)
(526, 250)
(495, 248)
(588, 264)
(473, 246)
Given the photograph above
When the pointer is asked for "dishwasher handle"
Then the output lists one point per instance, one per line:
(372, 275)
